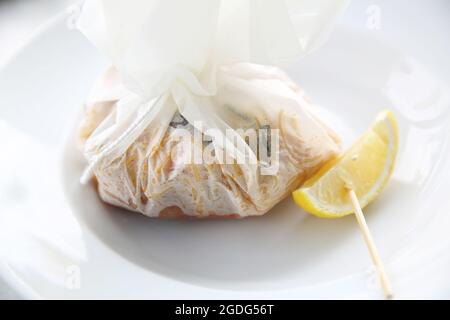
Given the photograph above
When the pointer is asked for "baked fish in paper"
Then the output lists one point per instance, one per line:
(204, 68)
(152, 176)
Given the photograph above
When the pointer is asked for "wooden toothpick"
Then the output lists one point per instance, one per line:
(385, 284)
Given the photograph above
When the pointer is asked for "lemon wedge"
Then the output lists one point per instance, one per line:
(365, 168)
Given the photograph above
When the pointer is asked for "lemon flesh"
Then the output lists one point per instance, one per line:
(365, 168)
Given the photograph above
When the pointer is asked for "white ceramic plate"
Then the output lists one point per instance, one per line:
(57, 240)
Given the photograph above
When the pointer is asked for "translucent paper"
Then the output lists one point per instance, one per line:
(151, 175)
(154, 43)
(197, 59)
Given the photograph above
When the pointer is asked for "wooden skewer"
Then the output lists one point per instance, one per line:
(385, 284)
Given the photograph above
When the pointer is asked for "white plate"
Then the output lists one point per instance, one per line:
(57, 240)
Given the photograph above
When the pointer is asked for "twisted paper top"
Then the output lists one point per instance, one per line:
(156, 42)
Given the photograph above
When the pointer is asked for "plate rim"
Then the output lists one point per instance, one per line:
(11, 277)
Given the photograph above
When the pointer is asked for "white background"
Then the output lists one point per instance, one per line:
(411, 25)
(18, 20)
